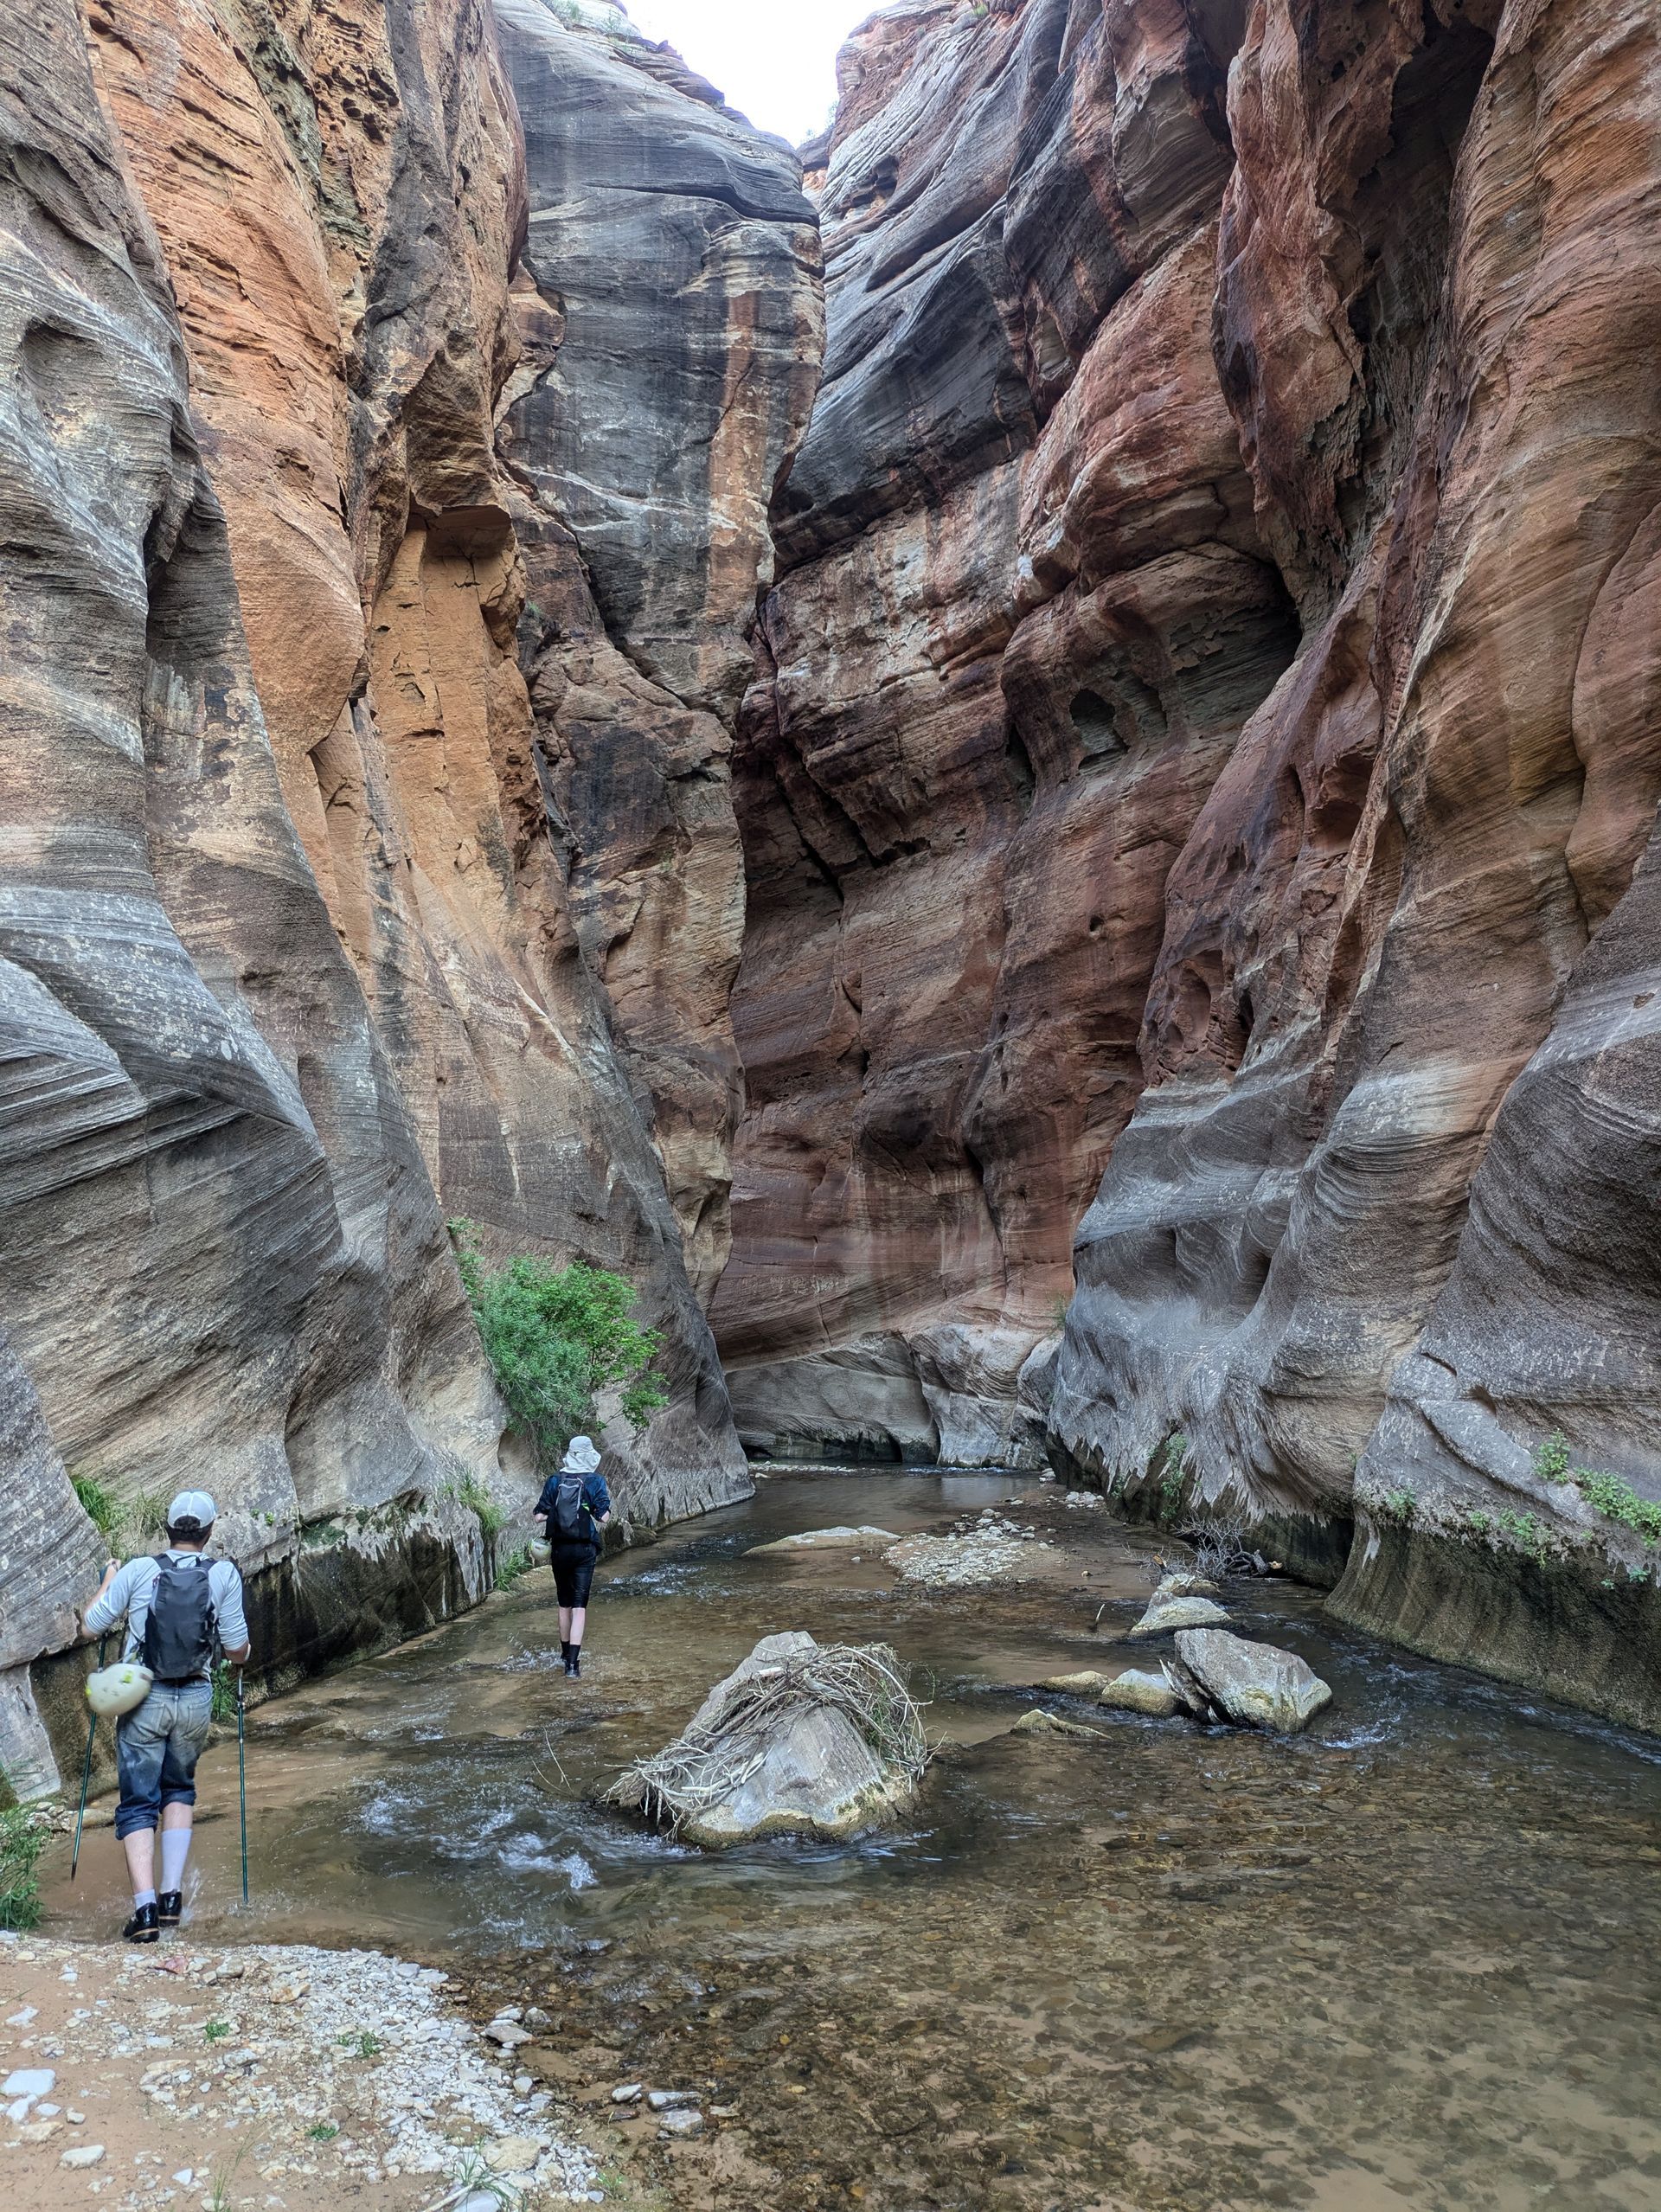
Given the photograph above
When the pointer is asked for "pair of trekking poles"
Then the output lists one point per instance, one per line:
(241, 1777)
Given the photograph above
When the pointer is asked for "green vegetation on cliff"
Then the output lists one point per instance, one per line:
(22, 1839)
(557, 1336)
(1611, 1495)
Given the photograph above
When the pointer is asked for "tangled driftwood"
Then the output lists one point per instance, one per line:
(730, 1739)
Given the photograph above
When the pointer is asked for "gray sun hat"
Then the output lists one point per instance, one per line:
(581, 1457)
(192, 1509)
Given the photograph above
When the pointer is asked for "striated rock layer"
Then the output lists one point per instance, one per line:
(1025, 608)
(1208, 727)
(356, 935)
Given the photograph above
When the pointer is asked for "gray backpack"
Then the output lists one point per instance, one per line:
(180, 1627)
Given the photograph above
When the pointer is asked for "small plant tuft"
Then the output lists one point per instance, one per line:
(22, 1839)
(1527, 1531)
(364, 2043)
(101, 1506)
(216, 2031)
(468, 1490)
(517, 1564)
(324, 2131)
(1551, 1458)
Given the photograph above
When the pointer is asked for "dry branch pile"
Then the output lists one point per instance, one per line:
(741, 1723)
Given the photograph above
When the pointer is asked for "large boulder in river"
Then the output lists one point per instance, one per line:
(800, 1739)
(1254, 1685)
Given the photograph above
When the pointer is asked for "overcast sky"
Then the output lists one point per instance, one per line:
(773, 59)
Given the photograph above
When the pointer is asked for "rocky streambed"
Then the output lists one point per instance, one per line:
(1397, 1962)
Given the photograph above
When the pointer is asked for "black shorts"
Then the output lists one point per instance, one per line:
(574, 1571)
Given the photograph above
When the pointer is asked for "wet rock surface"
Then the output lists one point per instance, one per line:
(1252, 1684)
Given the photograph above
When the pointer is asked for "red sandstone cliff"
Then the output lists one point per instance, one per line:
(1207, 727)
(372, 856)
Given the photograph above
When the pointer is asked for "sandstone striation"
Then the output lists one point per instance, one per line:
(670, 320)
(1204, 732)
(412, 899)
(222, 1251)
(1025, 610)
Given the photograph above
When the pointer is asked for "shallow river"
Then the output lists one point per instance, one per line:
(1408, 1961)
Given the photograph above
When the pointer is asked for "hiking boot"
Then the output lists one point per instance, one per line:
(573, 1664)
(170, 1907)
(145, 1926)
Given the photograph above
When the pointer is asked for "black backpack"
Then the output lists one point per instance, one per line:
(180, 1627)
(569, 1523)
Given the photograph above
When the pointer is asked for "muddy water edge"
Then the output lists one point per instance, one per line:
(1405, 1963)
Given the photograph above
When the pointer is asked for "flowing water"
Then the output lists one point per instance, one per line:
(1407, 1963)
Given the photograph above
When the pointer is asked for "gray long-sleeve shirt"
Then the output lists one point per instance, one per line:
(130, 1594)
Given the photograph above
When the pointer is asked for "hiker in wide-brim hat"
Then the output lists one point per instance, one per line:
(181, 1608)
(574, 1507)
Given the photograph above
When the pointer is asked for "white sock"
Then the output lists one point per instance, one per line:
(142, 1897)
(176, 1849)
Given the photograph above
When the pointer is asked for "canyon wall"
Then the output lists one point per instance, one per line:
(1206, 732)
(1025, 608)
(370, 858)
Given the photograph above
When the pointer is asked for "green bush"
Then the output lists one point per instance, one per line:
(1611, 1495)
(555, 1337)
(1617, 1501)
(101, 1506)
(22, 1839)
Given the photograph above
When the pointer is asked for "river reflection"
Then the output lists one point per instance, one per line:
(1405, 1963)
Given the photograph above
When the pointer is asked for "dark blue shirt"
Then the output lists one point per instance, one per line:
(596, 1503)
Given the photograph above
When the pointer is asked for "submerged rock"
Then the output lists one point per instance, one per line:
(827, 1540)
(1139, 1692)
(1037, 1723)
(1086, 1684)
(1254, 1685)
(1166, 1614)
(800, 1739)
(1183, 1585)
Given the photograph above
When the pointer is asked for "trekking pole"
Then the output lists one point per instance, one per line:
(85, 1772)
(242, 1782)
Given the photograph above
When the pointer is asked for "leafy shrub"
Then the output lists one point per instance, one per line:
(1551, 1458)
(1611, 1495)
(555, 1337)
(1617, 1501)
(22, 1839)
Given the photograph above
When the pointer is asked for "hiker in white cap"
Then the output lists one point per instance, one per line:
(574, 1507)
(179, 1608)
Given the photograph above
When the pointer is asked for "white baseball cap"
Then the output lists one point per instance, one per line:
(192, 1505)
